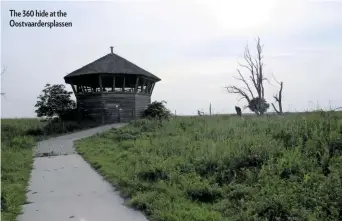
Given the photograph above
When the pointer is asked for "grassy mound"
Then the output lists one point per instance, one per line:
(226, 168)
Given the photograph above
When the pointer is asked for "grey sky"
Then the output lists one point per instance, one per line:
(192, 45)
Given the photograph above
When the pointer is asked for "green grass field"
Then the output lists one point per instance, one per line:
(16, 164)
(225, 168)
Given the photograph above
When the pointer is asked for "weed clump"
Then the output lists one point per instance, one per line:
(205, 195)
(126, 136)
(153, 175)
(335, 147)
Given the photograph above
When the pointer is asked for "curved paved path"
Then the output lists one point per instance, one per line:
(65, 188)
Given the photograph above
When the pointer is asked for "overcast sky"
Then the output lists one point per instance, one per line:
(193, 45)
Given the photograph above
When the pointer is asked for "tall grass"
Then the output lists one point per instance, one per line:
(16, 163)
(226, 168)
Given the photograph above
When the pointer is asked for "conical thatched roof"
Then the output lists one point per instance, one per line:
(111, 64)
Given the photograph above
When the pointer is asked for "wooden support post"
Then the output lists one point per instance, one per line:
(136, 85)
(147, 86)
(152, 87)
(123, 84)
(142, 86)
(100, 83)
(73, 88)
(113, 87)
(80, 89)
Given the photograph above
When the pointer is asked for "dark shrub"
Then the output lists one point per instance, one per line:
(205, 195)
(258, 105)
(157, 110)
(248, 161)
(335, 147)
(35, 132)
(153, 175)
(56, 127)
(287, 172)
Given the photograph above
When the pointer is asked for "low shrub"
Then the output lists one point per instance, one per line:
(59, 127)
(157, 110)
(35, 132)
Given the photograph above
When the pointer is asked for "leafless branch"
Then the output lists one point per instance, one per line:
(245, 82)
(275, 79)
(278, 99)
(239, 91)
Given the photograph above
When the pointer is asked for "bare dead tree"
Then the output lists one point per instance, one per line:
(253, 82)
(278, 98)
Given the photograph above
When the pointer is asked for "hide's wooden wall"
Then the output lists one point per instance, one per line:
(93, 104)
(102, 107)
(141, 102)
(125, 102)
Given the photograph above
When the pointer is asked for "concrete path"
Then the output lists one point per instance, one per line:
(66, 188)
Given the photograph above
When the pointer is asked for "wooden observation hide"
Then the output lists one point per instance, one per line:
(112, 89)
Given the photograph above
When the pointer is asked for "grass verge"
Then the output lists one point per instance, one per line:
(16, 164)
(225, 168)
